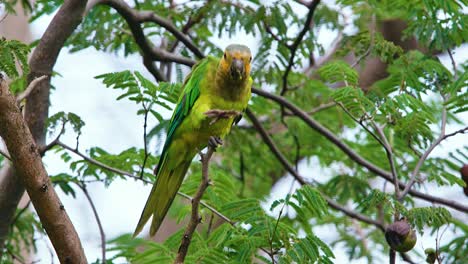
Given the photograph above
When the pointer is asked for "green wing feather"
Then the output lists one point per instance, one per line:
(164, 190)
(190, 94)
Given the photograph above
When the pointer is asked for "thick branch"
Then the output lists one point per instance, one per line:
(195, 218)
(148, 16)
(41, 63)
(28, 165)
(134, 20)
(325, 132)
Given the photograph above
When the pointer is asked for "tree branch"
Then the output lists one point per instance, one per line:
(82, 186)
(41, 63)
(128, 174)
(295, 45)
(423, 158)
(5, 154)
(134, 20)
(274, 149)
(266, 138)
(351, 153)
(391, 161)
(195, 218)
(148, 16)
(30, 88)
(151, 67)
(28, 165)
(325, 132)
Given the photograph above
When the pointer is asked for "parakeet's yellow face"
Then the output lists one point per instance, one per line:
(235, 62)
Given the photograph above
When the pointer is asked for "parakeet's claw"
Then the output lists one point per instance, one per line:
(215, 142)
(217, 114)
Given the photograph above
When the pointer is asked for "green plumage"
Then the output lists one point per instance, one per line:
(207, 87)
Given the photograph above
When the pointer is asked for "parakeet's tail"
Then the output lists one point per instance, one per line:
(161, 196)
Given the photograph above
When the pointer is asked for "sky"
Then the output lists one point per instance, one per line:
(114, 126)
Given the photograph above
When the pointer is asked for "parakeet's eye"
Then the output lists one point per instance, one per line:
(224, 55)
(250, 59)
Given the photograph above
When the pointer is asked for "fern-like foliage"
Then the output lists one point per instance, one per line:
(139, 89)
(428, 216)
(11, 53)
(22, 234)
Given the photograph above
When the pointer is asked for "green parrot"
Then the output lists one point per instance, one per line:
(214, 94)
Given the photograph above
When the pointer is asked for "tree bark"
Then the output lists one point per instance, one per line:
(28, 165)
(42, 62)
(11, 190)
(375, 69)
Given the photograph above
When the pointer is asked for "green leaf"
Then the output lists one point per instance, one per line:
(339, 71)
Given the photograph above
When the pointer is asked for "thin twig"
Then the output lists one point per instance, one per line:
(406, 258)
(195, 218)
(209, 207)
(423, 158)
(334, 46)
(315, 110)
(371, 44)
(5, 154)
(360, 122)
(460, 131)
(454, 64)
(32, 85)
(390, 157)
(192, 21)
(4, 17)
(54, 142)
(15, 257)
(18, 215)
(353, 214)
(128, 174)
(295, 45)
(82, 186)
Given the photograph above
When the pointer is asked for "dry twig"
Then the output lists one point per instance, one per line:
(195, 218)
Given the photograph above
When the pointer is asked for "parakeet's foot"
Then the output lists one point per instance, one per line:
(217, 114)
(215, 142)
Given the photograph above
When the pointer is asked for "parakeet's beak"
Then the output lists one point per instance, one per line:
(237, 69)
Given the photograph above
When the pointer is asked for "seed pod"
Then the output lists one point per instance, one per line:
(400, 237)
(431, 255)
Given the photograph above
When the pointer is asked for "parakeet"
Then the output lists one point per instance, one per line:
(214, 93)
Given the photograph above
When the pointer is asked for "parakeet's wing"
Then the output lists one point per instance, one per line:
(164, 189)
(190, 94)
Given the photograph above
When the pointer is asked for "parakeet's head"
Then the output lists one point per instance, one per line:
(235, 62)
